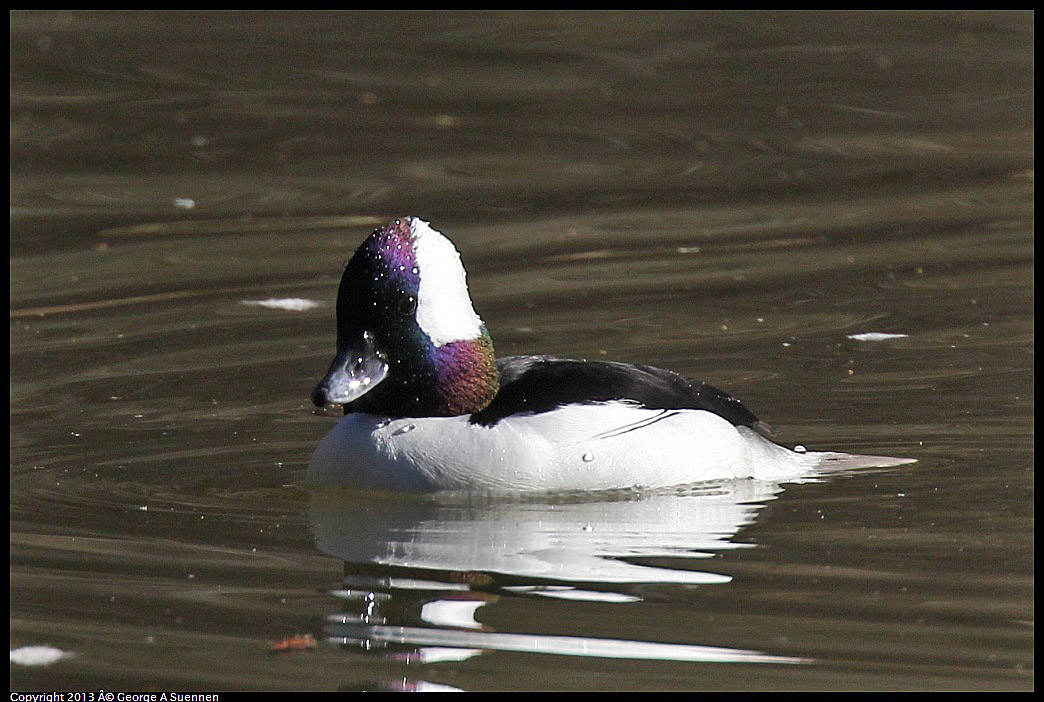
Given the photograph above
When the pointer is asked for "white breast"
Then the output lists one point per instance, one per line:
(577, 447)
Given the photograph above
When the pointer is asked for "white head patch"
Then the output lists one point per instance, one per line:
(444, 309)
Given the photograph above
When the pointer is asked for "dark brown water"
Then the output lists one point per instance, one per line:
(733, 196)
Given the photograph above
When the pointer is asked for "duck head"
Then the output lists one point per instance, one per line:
(409, 343)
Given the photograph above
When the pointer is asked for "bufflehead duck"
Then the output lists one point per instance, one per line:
(428, 406)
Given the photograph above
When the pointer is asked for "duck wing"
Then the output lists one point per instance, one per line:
(537, 384)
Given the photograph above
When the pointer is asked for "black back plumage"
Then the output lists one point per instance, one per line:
(535, 384)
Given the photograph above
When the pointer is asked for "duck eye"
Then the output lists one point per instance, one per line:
(408, 305)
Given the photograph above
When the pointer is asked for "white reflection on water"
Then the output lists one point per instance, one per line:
(564, 541)
(448, 558)
(467, 641)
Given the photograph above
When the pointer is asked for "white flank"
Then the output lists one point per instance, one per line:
(444, 309)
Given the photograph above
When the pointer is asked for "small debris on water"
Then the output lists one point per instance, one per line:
(294, 644)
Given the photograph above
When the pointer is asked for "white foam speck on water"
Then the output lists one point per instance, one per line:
(291, 304)
(876, 336)
(37, 655)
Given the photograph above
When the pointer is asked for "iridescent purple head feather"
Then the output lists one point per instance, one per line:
(404, 300)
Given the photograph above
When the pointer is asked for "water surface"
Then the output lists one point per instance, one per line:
(734, 196)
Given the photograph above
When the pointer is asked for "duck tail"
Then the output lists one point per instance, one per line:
(831, 461)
